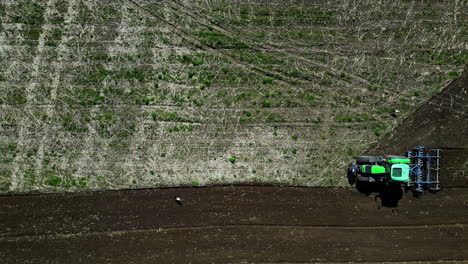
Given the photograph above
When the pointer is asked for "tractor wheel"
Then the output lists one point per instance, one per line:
(364, 186)
(362, 160)
(395, 157)
(352, 173)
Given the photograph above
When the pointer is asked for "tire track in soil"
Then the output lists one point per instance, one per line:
(91, 136)
(265, 46)
(30, 95)
(69, 18)
(132, 165)
(31, 237)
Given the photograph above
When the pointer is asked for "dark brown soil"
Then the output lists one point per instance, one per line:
(232, 225)
(247, 224)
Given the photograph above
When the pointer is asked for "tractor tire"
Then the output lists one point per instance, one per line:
(365, 187)
(363, 160)
(396, 157)
(352, 173)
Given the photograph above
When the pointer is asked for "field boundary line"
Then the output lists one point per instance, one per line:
(367, 262)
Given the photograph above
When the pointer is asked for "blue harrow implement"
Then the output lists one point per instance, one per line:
(424, 169)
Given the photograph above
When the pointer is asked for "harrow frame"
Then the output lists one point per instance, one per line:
(422, 163)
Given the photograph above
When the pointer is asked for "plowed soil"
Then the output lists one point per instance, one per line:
(232, 225)
(258, 224)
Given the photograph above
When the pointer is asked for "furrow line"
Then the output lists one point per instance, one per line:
(28, 237)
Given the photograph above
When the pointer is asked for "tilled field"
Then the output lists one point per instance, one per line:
(233, 224)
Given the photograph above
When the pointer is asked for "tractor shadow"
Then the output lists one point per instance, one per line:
(389, 195)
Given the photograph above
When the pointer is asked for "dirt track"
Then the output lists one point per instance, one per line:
(232, 224)
(257, 224)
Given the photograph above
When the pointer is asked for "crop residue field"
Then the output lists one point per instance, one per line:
(130, 94)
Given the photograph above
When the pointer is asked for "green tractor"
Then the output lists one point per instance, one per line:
(414, 170)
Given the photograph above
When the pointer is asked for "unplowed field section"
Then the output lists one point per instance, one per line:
(232, 224)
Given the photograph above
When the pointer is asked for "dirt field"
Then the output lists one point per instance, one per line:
(232, 225)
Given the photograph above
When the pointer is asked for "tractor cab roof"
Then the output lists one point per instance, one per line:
(400, 173)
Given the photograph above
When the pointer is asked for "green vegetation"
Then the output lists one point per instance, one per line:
(219, 40)
(53, 181)
(169, 117)
(195, 60)
(14, 97)
(297, 182)
(180, 128)
(29, 13)
(266, 103)
(273, 117)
